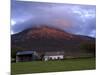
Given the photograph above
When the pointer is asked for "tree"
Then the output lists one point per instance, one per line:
(89, 47)
(14, 50)
(42, 56)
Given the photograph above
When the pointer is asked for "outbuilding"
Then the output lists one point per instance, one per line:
(53, 56)
(26, 55)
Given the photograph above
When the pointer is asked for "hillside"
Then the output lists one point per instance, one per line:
(46, 38)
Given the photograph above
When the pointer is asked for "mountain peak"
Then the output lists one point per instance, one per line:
(47, 37)
(48, 32)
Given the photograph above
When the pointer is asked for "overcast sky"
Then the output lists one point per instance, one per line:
(76, 19)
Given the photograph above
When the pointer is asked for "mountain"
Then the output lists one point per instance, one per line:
(46, 38)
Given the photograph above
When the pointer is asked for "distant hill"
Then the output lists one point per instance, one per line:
(46, 38)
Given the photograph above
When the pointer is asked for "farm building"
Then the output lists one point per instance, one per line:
(53, 55)
(30, 55)
(26, 55)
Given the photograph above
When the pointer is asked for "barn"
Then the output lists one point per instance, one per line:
(26, 55)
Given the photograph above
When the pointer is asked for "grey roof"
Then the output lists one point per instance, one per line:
(53, 53)
(24, 52)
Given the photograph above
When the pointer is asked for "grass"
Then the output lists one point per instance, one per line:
(53, 66)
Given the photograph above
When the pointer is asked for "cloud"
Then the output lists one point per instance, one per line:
(77, 19)
(62, 23)
(13, 22)
(93, 33)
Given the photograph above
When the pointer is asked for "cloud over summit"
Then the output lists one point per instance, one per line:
(78, 19)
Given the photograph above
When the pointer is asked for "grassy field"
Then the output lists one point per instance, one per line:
(53, 66)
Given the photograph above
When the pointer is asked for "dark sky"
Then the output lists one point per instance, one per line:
(77, 19)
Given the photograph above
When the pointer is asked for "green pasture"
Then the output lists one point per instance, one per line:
(53, 66)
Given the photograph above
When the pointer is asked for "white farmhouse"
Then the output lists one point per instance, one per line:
(53, 56)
